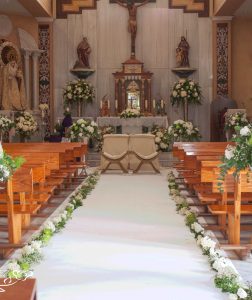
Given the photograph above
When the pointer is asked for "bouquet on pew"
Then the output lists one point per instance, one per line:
(78, 91)
(162, 138)
(186, 89)
(181, 131)
(8, 165)
(238, 119)
(238, 157)
(83, 128)
(25, 124)
(130, 113)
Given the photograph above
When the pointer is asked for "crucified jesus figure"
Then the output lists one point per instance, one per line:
(132, 23)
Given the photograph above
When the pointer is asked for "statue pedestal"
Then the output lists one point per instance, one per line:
(184, 72)
(82, 73)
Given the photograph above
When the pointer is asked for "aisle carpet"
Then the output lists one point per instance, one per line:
(127, 243)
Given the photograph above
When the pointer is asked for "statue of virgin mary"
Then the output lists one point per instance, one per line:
(12, 87)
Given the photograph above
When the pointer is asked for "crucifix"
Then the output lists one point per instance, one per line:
(132, 23)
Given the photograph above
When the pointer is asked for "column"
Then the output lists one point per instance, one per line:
(27, 54)
(35, 85)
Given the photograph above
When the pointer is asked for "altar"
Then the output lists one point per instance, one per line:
(133, 125)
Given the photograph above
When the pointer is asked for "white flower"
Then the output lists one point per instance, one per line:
(183, 94)
(36, 245)
(49, 225)
(1, 151)
(207, 243)
(229, 152)
(27, 250)
(174, 94)
(197, 227)
(157, 140)
(163, 146)
(241, 293)
(13, 266)
(245, 131)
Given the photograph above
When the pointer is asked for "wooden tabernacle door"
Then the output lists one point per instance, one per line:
(133, 87)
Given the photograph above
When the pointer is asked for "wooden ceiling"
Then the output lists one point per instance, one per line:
(192, 6)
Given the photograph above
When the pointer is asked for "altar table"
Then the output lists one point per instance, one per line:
(133, 125)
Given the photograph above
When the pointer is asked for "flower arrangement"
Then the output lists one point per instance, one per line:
(238, 119)
(25, 124)
(184, 131)
(130, 113)
(227, 278)
(238, 157)
(5, 124)
(43, 106)
(78, 91)
(83, 128)
(162, 138)
(8, 165)
(30, 254)
(186, 89)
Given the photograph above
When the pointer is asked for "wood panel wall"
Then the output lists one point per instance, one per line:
(159, 32)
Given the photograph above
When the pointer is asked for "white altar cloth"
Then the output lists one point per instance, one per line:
(133, 125)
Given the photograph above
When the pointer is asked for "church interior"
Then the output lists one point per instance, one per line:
(125, 149)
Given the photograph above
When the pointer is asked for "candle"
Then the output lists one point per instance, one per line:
(108, 104)
(116, 104)
(146, 104)
(162, 103)
(100, 104)
(154, 103)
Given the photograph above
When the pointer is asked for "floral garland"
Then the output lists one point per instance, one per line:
(234, 120)
(31, 253)
(162, 138)
(186, 89)
(83, 128)
(78, 91)
(130, 113)
(238, 157)
(25, 124)
(8, 165)
(102, 132)
(227, 277)
(182, 131)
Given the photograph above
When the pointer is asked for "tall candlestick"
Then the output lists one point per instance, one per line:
(146, 104)
(108, 104)
(116, 104)
(162, 103)
(154, 103)
(100, 104)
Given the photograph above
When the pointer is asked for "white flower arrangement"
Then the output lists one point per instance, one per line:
(8, 165)
(83, 128)
(184, 131)
(186, 89)
(130, 113)
(78, 91)
(25, 124)
(43, 106)
(227, 277)
(5, 124)
(238, 119)
(162, 138)
(31, 253)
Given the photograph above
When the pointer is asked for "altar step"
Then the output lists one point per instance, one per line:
(93, 158)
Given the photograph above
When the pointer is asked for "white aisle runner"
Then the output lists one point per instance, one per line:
(127, 243)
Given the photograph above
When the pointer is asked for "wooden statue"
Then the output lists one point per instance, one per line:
(182, 53)
(132, 23)
(83, 51)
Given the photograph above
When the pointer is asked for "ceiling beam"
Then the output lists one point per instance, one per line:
(226, 7)
(38, 8)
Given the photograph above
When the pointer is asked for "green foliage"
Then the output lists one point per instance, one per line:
(190, 219)
(228, 284)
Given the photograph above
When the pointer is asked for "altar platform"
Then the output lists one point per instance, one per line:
(133, 125)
